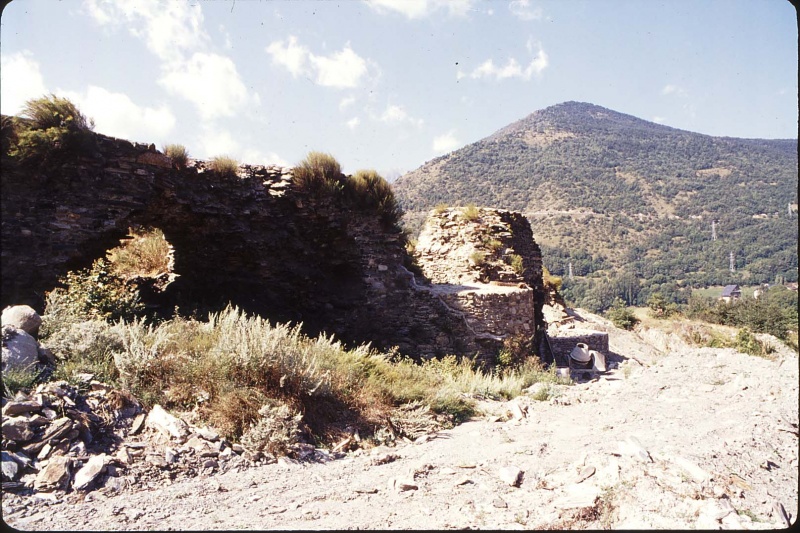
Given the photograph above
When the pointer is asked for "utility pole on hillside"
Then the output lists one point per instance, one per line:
(713, 230)
(732, 266)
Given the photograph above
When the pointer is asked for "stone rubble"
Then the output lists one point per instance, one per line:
(106, 443)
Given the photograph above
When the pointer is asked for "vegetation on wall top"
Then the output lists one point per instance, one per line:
(320, 174)
(51, 126)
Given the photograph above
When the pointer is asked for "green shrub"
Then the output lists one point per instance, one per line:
(19, 379)
(84, 347)
(178, 154)
(516, 349)
(96, 293)
(8, 134)
(55, 112)
(471, 213)
(318, 172)
(621, 316)
(747, 343)
(660, 307)
(551, 282)
(224, 166)
(368, 190)
(477, 258)
(54, 126)
(277, 428)
(491, 244)
(516, 264)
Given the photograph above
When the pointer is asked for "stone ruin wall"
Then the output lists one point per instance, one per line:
(497, 315)
(496, 301)
(252, 240)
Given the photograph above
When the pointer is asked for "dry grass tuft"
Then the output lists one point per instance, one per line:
(178, 154)
(225, 166)
(471, 213)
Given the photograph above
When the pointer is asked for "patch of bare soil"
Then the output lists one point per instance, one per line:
(672, 437)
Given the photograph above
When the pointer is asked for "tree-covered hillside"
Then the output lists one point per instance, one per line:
(628, 202)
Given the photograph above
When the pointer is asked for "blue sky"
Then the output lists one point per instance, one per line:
(391, 84)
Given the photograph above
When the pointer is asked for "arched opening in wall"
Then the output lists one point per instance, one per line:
(145, 258)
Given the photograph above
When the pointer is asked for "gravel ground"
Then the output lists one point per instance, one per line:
(673, 437)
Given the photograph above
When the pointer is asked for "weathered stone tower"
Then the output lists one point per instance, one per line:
(485, 265)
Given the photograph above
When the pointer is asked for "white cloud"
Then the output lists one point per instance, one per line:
(659, 120)
(446, 142)
(342, 69)
(344, 103)
(674, 89)
(395, 114)
(290, 55)
(353, 123)
(458, 8)
(21, 81)
(253, 156)
(211, 82)
(174, 32)
(214, 141)
(169, 29)
(522, 10)
(410, 8)
(117, 115)
(512, 68)
(414, 9)
(227, 36)
(539, 63)
(460, 74)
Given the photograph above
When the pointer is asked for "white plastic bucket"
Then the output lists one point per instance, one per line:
(580, 353)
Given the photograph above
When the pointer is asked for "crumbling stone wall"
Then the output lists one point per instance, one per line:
(253, 240)
(487, 267)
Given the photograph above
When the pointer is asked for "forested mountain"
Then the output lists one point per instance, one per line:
(628, 202)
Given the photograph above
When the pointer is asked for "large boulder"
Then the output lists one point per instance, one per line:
(22, 317)
(20, 350)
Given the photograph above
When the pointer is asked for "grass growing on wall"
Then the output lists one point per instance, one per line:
(224, 166)
(178, 154)
(320, 174)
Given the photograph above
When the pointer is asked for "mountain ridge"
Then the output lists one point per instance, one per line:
(577, 169)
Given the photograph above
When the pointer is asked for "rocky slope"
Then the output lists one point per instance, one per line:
(670, 437)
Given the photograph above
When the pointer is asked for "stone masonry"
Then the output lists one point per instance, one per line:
(257, 241)
(486, 266)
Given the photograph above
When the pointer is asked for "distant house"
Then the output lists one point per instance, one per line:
(731, 293)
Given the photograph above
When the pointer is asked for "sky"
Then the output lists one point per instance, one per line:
(391, 84)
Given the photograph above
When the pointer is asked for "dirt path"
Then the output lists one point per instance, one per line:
(678, 437)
